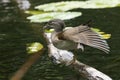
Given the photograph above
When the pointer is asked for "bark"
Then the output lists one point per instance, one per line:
(89, 72)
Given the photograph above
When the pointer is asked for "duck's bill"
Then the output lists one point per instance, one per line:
(49, 30)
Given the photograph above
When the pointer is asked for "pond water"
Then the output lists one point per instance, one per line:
(16, 31)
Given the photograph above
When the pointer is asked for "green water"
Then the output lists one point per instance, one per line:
(16, 32)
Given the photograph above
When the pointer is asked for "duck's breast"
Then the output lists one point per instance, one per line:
(65, 45)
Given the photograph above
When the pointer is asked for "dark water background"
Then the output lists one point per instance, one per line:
(16, 32)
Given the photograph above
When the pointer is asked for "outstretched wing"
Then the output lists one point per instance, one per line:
(84, 35)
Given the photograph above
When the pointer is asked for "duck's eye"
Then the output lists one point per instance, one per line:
(50, 23)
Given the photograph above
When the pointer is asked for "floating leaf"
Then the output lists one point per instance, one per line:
(34, 47)
(101, 4)
(59, 6)
(95, 29)
(68, 5)
(106, 36)
(102, 34)
(34, 12)
(105, 3)
(44, 17)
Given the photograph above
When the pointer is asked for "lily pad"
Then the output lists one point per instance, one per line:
(33, 12)
(34, 47)
(60, 6)
(44, 17)
(102, 34)
(102, 4)
(106, 36)
(68, 5)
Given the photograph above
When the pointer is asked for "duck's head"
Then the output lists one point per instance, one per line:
(55, 24)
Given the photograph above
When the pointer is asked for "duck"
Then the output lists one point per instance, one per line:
(71, 38)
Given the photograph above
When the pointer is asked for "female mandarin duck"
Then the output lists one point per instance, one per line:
(75, 37)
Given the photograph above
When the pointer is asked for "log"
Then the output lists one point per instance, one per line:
(89, 72)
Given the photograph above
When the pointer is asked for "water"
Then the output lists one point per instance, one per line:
(16, 32)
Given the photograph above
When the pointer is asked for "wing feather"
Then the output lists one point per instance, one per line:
(85, 35)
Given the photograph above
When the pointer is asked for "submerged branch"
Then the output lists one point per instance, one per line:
(24, 68)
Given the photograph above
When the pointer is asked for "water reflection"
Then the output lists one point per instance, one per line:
(4, 1)
(23, 4)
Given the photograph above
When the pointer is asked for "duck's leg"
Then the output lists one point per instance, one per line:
(80, 46)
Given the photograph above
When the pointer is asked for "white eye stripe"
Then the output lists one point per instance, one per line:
(53, 22)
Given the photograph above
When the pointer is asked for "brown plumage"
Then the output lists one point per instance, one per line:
(75, 37)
